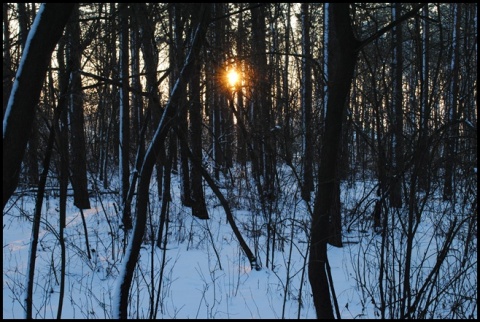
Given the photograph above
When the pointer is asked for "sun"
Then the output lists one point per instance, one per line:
(233, 77)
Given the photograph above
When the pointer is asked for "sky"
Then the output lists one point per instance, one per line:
(205, 274)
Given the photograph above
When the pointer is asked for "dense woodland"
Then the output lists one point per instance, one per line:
(105, 100)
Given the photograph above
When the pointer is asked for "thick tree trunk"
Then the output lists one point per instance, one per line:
(18, 119)
(7, 60)
(342, 57)
(78, 150)
(199, 208)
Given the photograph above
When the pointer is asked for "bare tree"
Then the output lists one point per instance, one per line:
(76, 113)
(397, 100)
(342, 56)
(308, 147)
(169, 117)
(124, 131)
(7, 59)
(18, 119)
(452, 112)
(199, 208)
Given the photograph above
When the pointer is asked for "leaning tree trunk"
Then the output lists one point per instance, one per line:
(170, 115)
(17, 122)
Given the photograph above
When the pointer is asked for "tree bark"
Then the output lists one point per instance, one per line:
(124, 132)
(77, 131)
(342, 56)
(18, 119)
(38, 207)
(199, 208)
(452, 110)
(7, 59)
(307, 186)
(63, 175)
(397, 112)
(169, 118)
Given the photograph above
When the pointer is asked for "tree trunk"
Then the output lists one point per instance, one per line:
(199, 208)
(217, 98)
(241, 144)
(397, 141)
(228, 212)
(17, 122)
(263, 141)
(31, 157)
(448, 187)
(286, 111)
(307, 129)
(342, 56)
(38, 207)
(77, 131)
(137, 99)
(63, 144)
(120, 308)
(124, 131)
(166, 197)
(425, 110)
(7, 59)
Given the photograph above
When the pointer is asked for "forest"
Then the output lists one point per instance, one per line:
(240, 160)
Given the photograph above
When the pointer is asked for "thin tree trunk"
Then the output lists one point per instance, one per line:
(38, 209)
(286, 113)
(63, 179)
(448, 187)
(425, 110)
(307, 186)
(120, 308)
(166, 197)
(397, 148)
(223, 201)
(241, 145)
(124, 132)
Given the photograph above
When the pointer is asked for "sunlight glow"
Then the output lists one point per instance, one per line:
(233, 77)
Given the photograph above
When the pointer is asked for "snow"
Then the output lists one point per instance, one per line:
(205, 275)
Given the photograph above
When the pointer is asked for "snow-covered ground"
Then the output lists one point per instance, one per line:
(204, 274)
